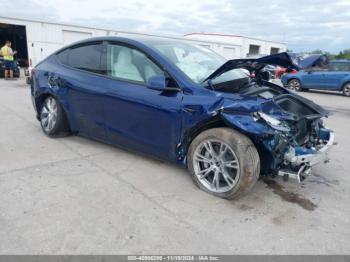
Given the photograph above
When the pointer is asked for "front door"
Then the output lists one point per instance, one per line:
(313, 79)
(137, 117)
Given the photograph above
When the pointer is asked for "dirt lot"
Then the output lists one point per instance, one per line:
(72, 196)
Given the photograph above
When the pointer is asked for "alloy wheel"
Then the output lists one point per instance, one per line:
(346, 90)
(48, 116)
(294, 85)
(216, 166)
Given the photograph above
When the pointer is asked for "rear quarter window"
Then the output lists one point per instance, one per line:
(63, 56)
(339, 66)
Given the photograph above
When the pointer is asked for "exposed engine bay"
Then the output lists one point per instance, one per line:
(286, 128)
(296, 136)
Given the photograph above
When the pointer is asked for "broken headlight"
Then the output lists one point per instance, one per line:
(273, 122)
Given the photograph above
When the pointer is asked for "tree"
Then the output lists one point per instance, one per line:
(317, 52)
(345, 54)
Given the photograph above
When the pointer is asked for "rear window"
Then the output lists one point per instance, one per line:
(339, 66)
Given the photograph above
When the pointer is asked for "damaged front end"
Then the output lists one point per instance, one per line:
(287, 130)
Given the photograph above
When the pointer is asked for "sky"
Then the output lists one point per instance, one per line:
(304, 25)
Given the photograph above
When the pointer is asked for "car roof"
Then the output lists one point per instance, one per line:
(143, 40)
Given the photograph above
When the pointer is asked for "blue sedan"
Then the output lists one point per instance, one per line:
(335, 77)
(181, 102)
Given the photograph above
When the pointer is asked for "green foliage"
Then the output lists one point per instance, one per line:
(317, 52)
(345, 54)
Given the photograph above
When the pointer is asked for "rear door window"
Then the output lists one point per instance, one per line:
(339, 66)
(87, 58)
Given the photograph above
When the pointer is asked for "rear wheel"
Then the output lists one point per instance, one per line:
(223, 162)
(52, 118)
(294, 84)
(346, 89)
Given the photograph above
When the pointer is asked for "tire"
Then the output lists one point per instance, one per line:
(346, 90)
(294, 84)
(242, 165)
(52, 118)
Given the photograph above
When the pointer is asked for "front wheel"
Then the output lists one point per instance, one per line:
(294, 84)
(223, 162)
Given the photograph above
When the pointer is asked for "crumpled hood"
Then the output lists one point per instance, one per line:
(248, 104)
(238, 110)
(280, 59)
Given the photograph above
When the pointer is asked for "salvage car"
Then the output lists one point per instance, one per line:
(334, 76)
(182, 103)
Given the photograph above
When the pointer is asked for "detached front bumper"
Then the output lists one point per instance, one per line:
(303, 163)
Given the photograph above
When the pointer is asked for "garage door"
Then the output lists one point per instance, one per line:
(74, 36)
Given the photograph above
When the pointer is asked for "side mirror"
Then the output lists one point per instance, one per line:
(158, 82)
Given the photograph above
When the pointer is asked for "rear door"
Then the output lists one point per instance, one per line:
(79, 80)
(336, 73)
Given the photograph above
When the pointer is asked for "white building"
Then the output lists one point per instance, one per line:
(235, 46)
(34, 40)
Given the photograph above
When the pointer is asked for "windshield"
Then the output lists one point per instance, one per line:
(195, 61)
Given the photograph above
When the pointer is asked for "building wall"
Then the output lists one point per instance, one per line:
(243, 43)
(44, 38)
(227, 50)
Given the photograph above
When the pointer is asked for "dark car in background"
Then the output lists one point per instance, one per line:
(334, 76)
(16, 69)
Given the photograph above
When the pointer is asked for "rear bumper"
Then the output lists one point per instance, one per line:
(303, 163)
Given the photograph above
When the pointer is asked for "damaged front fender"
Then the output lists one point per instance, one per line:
(247, 124)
